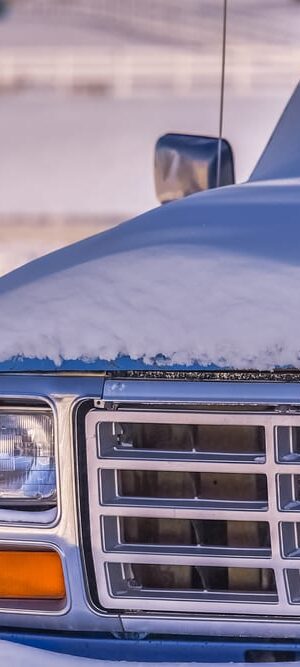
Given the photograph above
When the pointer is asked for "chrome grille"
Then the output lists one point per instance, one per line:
(195, 512)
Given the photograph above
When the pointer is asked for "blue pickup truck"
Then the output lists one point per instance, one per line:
(150, 423)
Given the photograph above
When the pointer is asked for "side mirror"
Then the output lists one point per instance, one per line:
(185, 164)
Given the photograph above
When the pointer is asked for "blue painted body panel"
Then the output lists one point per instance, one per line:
(23, 365)
(156, 649)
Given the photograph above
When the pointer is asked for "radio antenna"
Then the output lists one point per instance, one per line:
(224, 35)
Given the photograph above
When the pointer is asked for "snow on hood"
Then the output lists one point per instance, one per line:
(212, 279)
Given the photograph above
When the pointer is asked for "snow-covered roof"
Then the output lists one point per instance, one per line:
(209, 281)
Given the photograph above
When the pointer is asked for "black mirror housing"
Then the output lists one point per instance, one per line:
(185, 164)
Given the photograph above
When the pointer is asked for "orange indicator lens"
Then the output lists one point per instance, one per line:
(31, 574)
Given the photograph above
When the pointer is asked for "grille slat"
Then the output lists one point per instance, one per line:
(182, 464)
(195, 512)
(196, 560)
(212, 506)
(275, 516)
(202, 552)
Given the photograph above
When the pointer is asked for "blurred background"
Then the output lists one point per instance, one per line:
(87, 86)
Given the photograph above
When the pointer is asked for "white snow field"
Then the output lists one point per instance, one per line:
(185, 282)
(95, 156)
(66, 153)
(78, 154)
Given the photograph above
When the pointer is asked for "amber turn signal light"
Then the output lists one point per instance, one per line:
(31, 574)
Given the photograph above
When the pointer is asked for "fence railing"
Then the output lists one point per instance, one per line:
(126, 73)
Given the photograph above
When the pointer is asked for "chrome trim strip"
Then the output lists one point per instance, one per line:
(179, 391)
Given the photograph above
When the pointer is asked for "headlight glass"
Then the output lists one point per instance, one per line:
(27, 460)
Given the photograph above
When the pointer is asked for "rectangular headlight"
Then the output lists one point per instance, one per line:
(27, 460)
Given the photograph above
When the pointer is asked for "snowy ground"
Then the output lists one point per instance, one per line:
(25, 237)
(62, 154)
(82, 155)
(93, 154)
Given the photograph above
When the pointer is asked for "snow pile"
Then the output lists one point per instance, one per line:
(184, 305)
(172, 286)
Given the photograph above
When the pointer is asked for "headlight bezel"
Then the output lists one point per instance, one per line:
(32, 512)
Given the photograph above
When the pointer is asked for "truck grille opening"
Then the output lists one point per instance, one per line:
(195, 512)
(203, 578)
(288, 440)
(206, 583)
(204, 441)
(196, 533)
(193, 486)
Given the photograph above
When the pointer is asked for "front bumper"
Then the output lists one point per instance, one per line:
(152, 650)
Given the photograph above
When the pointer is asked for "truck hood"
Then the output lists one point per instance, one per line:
(211, 281)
